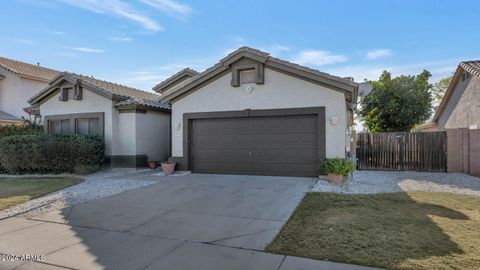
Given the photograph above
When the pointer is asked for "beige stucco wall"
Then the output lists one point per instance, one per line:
(144, 134)
(126, 133)
(126, 142)
(15, 91)
(91, 103)
(153, 136)
(279, 91)
(463, 108)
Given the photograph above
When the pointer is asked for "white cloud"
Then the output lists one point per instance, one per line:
(122, 39)
(439, 69)
(116, 8)
(58, 33)
(318, 58)
(374, 54)
(170, 7)
(277, 48)
(87, 50)
(22, 41)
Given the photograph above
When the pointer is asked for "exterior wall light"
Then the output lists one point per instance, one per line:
(177, 125)
(334, 120)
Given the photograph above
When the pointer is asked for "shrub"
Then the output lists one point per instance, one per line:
(27, 154)
(339, 166)
(25, 129)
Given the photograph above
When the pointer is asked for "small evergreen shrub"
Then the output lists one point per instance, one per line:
(339, 166)
(29, 154)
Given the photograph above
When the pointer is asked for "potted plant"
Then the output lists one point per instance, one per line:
(337, 169)
(152, 165)
(168, 167)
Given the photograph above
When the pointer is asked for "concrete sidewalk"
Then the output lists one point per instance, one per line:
(192, 222)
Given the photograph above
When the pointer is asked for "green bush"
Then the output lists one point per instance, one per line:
(26, 129)
(339, 166)
(28, 154)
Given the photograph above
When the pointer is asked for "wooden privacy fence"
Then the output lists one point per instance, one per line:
(402, 151)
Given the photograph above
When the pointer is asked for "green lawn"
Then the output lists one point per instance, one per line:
(417, 230)
(16, 190)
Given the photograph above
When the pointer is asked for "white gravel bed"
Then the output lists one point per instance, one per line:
(175, 173)
(367, 182)
(98, 185)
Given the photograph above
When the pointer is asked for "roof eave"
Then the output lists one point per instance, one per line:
(171, 81)
(448, 94)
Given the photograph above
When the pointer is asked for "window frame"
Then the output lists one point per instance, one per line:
(73, 123)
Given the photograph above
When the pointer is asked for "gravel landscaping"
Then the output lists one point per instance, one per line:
(368, 182)
(98, 185)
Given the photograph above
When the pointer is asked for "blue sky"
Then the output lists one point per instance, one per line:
(140, 43)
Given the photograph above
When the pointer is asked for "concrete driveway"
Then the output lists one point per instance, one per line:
(188, 222)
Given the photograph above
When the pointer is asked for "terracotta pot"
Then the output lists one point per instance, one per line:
(152, 165)
(168, 167)
(335, 179)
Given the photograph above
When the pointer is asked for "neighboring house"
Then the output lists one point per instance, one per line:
(460, 107)
(134, 124)
(18, 82)
(255, 114)
(179, 77)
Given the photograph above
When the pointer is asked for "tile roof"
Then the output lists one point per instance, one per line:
(261, 54)
(174, 79)
(127, 95)
(28, 70)
(9, 117)
(472, 67)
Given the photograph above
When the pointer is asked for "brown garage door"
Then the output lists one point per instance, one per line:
(268, 145)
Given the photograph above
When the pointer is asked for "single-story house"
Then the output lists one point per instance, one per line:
(18, 82)
(460, 107)
(252, 113)
(134, 124)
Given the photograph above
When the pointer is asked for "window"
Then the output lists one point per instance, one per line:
(87, 126)
(61, 126)
(79, 123)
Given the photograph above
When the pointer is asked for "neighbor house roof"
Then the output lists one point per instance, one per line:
(124, 95)
(337, 83)
(8, 117)
(175, 79)
(29, 71)
(472, 67)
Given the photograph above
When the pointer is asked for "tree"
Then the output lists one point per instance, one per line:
(439, 88)
(397, 104)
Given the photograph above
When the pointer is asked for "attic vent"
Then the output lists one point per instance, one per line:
(247, 76)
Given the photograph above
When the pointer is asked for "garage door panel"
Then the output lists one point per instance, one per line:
(264, 154)
(262, 139)
(267, 145)
(255, 125)
(291, 169)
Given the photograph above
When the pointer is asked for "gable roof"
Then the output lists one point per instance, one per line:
(28, 71)
(175, 79)
(333, 82)
(124, 95)
(472, 67)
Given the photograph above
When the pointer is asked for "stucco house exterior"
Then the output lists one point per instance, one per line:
(460, 107)
(252, 113)
(134, 124)
(18, 82)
